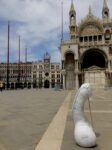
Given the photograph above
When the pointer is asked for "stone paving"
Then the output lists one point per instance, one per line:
(101, 105)
(25, 116)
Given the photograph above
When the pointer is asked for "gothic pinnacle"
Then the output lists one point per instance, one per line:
(90, 11)
(72, 6)
(105, 4)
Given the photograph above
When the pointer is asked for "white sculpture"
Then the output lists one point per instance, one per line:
(83, 132)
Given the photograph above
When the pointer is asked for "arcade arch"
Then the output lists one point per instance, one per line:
(94, 57)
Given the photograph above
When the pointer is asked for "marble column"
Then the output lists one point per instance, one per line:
(64, 82)
(76, 72)
(63, 64)
(50, 84)
(109, 64)
(77, 82)
(14, 85)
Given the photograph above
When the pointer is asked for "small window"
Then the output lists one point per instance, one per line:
(81, 39)
(53, 76)
(57, 67)
(58, 75)
(100, 38)
(90, 38)
(85, 39)
(52, 66)
(40, 66)
(107, 35)
(95, 38)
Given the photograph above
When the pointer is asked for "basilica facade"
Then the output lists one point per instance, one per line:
(87, 55)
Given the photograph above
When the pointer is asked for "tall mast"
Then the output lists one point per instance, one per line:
(61, 21)
(26, 55)
(19, 49)
(26, 64)
(8, 50)
(19, 61)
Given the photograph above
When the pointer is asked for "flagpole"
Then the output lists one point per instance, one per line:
(61, 21)
(19, 61)
(8, 50)
(26, 64)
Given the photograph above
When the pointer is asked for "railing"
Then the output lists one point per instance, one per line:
(69, 42)
(93, 43)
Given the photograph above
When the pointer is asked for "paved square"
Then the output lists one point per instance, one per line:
(101, 105)
(25, 116)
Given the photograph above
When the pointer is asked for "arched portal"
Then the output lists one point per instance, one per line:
(93, 57)
(46, 84)
(93, 65)
(70, 66)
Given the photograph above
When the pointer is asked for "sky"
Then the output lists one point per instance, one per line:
(38, 22)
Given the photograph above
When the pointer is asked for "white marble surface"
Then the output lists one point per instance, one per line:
(83, 131)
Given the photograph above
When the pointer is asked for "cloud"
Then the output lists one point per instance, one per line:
(39, 24)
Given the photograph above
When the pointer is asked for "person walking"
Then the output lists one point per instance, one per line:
(1, 86)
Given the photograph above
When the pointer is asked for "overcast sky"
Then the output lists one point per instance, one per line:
(38, 22)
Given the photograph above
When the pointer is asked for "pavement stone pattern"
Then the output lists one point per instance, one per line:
(101, 105)
(52, 138)
(25, 116)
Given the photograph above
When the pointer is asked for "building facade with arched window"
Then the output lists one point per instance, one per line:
(46, 74)
(87, 55)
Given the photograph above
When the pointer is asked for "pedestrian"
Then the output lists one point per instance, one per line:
(1, 86)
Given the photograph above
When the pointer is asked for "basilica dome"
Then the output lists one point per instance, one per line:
(90, 25)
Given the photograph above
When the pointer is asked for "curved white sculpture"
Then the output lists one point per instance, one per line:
(83, 132)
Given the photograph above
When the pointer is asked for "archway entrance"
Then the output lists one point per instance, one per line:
(70, 66)
(93, 64)
(46, 84)
(93, 57)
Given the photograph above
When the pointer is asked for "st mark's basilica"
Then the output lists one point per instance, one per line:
(87, 55)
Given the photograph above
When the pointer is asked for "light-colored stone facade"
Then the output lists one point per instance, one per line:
(22, 71)
(46, 74)
(87, 55)
(40, 74)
